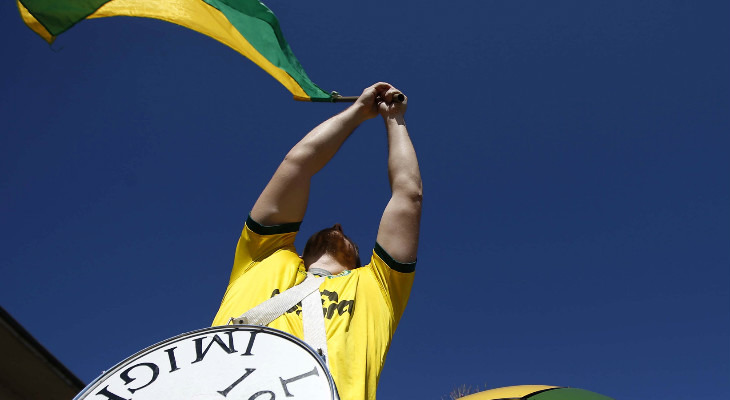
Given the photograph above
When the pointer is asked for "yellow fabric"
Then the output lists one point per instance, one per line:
(508, 392)
(192, 14)
(362, 307)
(33, 24)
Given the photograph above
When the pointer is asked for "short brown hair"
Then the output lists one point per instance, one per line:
(334, 242)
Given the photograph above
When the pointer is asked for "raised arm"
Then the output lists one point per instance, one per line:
(400, 223)
(286, 195)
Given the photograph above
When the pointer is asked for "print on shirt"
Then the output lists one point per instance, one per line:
(331, 304)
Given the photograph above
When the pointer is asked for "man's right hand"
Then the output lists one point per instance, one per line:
(378, 99)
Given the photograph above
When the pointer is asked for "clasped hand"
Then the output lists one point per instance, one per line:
(378, 99)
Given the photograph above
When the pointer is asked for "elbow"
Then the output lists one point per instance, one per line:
(416, 192)
(417, 197)
(296, 156)
(410, 189)
(300, 159)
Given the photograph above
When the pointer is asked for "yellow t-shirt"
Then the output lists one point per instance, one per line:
(361, 307)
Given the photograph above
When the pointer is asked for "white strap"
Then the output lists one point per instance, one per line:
(276, 306)
(313, 319)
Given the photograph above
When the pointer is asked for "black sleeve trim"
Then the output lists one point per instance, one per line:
(273, 229)
(392, 263)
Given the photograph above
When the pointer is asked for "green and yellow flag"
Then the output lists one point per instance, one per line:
(247, 26)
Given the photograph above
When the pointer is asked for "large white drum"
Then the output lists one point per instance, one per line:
(241, 362)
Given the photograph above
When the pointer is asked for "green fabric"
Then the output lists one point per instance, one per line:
(567, 394)
(251, 18)
(57, 16)
(260, 27)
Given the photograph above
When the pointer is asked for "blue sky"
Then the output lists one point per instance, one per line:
(576, 226)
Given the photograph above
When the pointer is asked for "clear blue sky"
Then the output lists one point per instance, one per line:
(576, 226)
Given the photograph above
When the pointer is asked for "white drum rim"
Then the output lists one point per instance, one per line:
(220, 328)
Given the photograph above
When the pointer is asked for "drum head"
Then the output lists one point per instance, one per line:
(222, 362)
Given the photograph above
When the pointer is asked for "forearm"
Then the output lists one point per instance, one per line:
(285, 197)
(318, 147)
(400, 224)
(403, 171)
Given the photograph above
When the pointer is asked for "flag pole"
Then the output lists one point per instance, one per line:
(337, 98)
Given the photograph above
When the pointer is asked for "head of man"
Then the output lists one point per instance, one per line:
(334, 243)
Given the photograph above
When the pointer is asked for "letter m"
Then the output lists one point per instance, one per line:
(200, 353)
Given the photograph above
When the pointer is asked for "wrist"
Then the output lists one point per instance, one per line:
(394, 120)
(357, 113)
(351, 116)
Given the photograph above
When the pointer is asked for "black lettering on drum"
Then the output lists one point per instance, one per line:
(199, 346)
(109, 395)
(250, 343)
(239, 380)
(285, 382)
(171, 356)
(256, 395)
(128, 379)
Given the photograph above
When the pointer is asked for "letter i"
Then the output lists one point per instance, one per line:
(171, 356)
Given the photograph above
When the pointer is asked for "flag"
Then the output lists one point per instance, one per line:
(246, 26)
(535, 392)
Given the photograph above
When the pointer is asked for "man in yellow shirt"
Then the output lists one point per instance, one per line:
(361, 304)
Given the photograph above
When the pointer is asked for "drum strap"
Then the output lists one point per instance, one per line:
(313, 320)
(312, 315)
